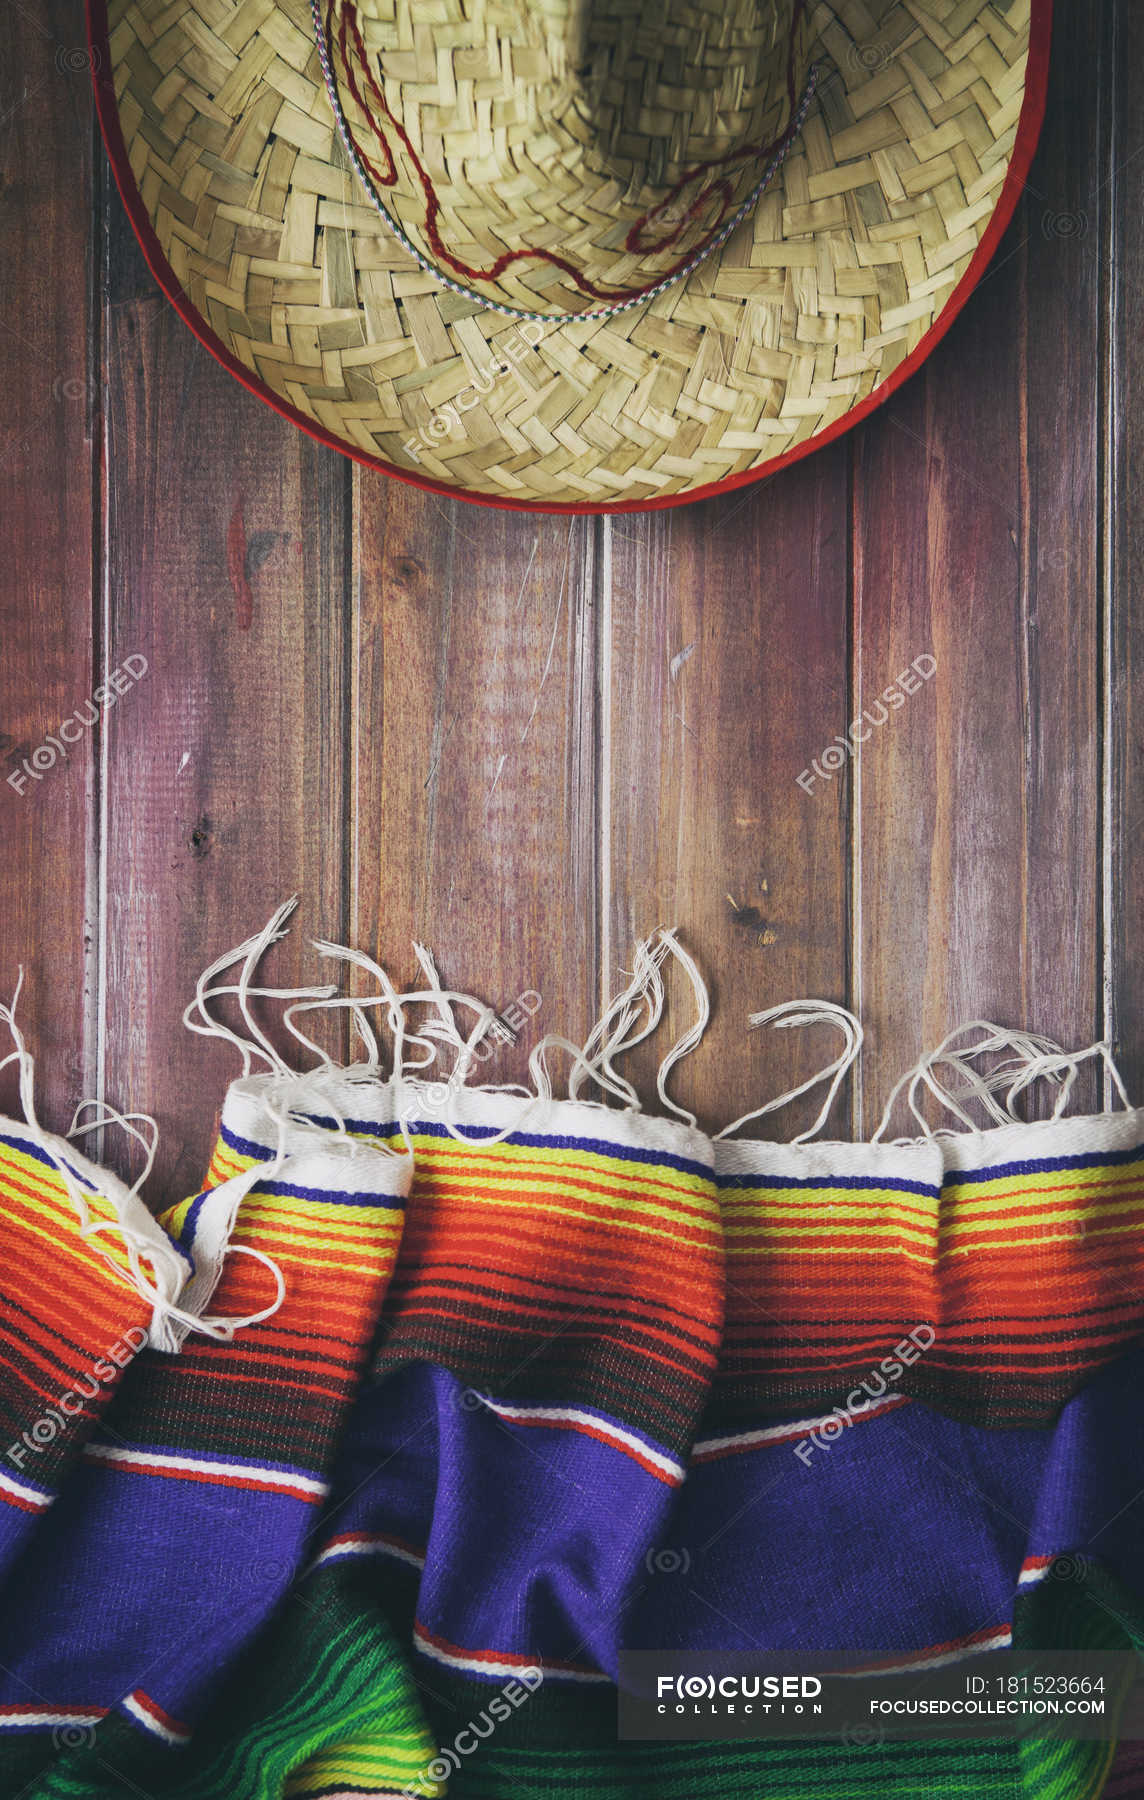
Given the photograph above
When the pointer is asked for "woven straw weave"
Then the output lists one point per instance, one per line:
(542, 133)
(843, 266)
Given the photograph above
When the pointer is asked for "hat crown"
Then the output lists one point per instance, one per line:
(554, 155)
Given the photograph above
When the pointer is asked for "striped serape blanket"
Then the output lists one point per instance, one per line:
(358, 1471)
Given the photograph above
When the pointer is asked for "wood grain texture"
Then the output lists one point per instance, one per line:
(527, 741)
(976, 540)
(1121, 209)
(727, 658)
(51, 403)
(224, 782)
(474, 753)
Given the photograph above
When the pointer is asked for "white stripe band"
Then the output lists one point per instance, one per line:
(479, 1665)
(573, 1417)
(770, 1434)
(191, 1465)
(363, 1544)
(34, 1495)
(131, 1705)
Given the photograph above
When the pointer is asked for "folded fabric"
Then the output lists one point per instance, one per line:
(323, 1707)
(496, 1385)
(1017, 1253)
(187, 1505)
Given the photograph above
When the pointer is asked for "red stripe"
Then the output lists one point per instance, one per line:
(571, 1248)
(602, 1437)
(276, 1484)
(426, 1299)
(374, 1537)
(596, 1337)
(804, 1429)
(500, 1656)
(516, 1290)
(566, 1220)
(964, 1643)
(156, 1711)
(29, 1506)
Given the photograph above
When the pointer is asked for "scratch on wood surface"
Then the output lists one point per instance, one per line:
(690, 732)
(502, 639)
(432, 775)
(450, 519)
(496, 778)
(236, 567)
(555, 629)
(680, 657)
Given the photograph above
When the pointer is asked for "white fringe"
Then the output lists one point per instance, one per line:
(631, 1016)
(156, 1268)
(693, 1036)
(807, 1012)
(1033, 1058)
(950, 1074)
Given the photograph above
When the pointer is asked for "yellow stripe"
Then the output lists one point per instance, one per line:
(26, 1217)
(436, 1156)
(1089, 1180)
(325, 1213)
(570, 1212)
(437, 1181)
(1061, 1216)
(964, 1214)
(636, 1173)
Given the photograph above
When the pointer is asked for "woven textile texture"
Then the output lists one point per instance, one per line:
(464, 1393)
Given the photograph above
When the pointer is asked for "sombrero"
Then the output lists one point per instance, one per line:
(580, 255)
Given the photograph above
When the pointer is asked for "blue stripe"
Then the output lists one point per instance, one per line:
(1046, 1165)
(426, 1128)
(28, 1148)
(291, 1190)
(190, 1223)
(866, 1182)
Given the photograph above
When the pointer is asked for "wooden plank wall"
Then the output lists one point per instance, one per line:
(526, 741)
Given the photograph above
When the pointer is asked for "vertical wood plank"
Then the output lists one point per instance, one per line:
(474, 755)
(51, 400)
(727, 677)
(224, 788)
(1123, 194)
(1062, 329)
(976, 540)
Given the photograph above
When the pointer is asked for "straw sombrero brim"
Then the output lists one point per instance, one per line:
(854, 263)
